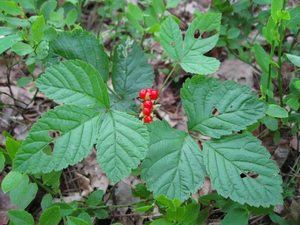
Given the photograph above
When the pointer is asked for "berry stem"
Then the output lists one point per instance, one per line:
(167, 79)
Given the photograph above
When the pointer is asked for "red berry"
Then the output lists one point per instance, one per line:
(143, 93)
(148, 119)
(148, 90)
(148, 104)
(147, 111)
(153, 94)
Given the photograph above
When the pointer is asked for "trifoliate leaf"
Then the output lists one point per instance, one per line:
(74, 82)
(122, 143)
(71, 129)
(130, 67)
(216, 108)
(84, 46)
(173, 166)
(241, 168)
(189, 53)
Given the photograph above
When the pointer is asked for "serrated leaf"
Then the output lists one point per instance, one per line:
(189, 53)
(74, 82)
(131, 71)
(241, 168)
(84, 46)
(77, 129)
(216, 108)
(19, 216)
(121, 144)
(173, 166)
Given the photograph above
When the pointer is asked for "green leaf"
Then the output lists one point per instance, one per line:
(21, 48)
(233, 33)
(51, 216)
(171, 156)
(84, 46)
(277, 111)
(238, 216)
(37, 29)
(11, 180)
(74, 82)
(135, 16)
(101, 214)
(19, 216)
(277, 219)
(71, 17)
(131, 71)
(161, 221)
(95, 198)
(241, 168)
(275, 7)
(294, 59)
(47, 8)
(271, 123)
(86, 217)
(7, 41)
(294, 22)
(76, 128)
(24, 81)
(261, 57)
(216, 108)
(121, 144)
(172, 3)
(76, 221)
(189, 53)
(24, 193)
(52, 179)
(171, 39)
(12, 146)
(46, 201)
(10, 7)
(2, 161)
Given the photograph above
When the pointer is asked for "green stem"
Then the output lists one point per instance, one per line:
(270, 70)
(48, 190)
(279, 74)
(167, 79)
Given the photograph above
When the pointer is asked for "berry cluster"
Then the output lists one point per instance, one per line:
(149, 96)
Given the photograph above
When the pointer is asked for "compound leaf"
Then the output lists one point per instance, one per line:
(173, 166)
(76, 128)
(122, 143)
(241, 168)
(130, 67)
(189, 52)
(216, 108)
(74, 82)
(84, 46)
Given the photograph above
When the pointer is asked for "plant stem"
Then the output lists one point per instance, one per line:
(167, 79)
(279, 74)
(270, 70)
